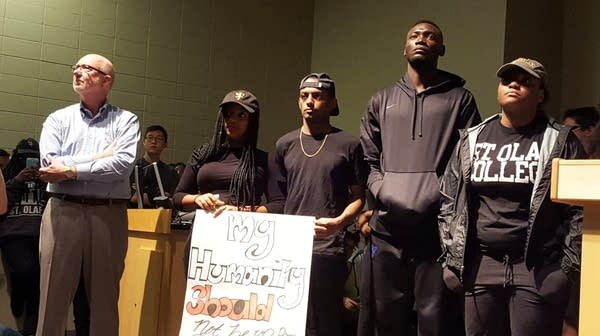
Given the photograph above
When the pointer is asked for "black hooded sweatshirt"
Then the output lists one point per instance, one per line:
(407, 138)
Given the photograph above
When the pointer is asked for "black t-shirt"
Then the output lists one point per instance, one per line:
(26, 203)
(148, 181)
(215, 177)
(319, 186)
(505, 165)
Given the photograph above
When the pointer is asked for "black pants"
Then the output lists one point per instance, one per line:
(402, 293)
(506, 298)
(20, 255)
(325, 297)
(572, 313)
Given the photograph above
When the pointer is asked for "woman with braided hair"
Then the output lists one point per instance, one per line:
(229, 172)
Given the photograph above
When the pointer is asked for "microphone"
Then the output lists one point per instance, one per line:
(158, 179)
(138, 187)
(161, 201)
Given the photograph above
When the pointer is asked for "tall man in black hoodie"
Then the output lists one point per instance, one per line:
(408, 132)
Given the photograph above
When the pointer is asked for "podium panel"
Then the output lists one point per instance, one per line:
(153, 284)
(578, 182)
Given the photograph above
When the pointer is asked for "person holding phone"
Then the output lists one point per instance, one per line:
(19, 233)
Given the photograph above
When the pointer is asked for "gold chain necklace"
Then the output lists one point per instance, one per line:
(318, 150)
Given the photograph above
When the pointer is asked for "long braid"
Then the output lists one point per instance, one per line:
(242, 181)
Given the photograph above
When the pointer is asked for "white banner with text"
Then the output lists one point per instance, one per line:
(248, 275)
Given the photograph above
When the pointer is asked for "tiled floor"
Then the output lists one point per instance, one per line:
(5, 315)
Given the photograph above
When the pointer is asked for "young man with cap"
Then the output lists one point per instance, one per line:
(511, 248)
(408, 131)
(319, 171)
(155, 142)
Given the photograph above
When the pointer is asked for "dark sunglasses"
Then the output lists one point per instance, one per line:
(519, 77)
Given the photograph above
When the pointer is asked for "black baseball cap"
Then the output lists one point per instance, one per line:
(243, 98)
(28, 147)
(324, 82)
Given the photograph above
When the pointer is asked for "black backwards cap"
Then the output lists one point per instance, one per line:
(324, 82)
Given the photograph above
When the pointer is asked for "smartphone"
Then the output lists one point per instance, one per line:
(32, 163)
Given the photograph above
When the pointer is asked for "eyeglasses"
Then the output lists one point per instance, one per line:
(576, 128)
(157, 139)
(87, 68)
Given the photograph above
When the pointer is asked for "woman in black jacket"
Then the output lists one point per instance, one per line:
(505, 242)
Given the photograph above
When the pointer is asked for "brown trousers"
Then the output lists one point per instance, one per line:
(81, 240)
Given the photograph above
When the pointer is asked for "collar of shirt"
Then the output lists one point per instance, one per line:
(87, 114)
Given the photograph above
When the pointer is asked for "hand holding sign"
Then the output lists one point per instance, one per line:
(208, 201)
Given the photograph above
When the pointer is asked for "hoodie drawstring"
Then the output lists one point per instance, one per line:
(508, 270)
(421, 115)
(417, 110)
(414, 118)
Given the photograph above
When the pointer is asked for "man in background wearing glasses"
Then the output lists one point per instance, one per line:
(87, 152)
(585, 123)
(586, 126)
(155, 141)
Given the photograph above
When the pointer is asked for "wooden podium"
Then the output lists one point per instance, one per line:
(153, 282)
(578, 182)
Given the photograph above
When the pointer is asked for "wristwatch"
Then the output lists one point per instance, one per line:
(70, 173)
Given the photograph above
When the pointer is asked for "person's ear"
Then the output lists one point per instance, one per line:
(335, 104)
(587, 131)
(442, 50)
(541, 96)
(109, 80)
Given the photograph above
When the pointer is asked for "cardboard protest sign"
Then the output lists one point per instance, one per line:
(248, 274)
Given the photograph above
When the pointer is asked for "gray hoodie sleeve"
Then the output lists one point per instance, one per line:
(370, 138)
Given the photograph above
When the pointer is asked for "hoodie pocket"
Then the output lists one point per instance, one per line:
(409, 198)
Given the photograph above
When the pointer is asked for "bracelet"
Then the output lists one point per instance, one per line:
(195, 198)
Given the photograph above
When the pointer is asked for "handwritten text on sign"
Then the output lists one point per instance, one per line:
(248, 275)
